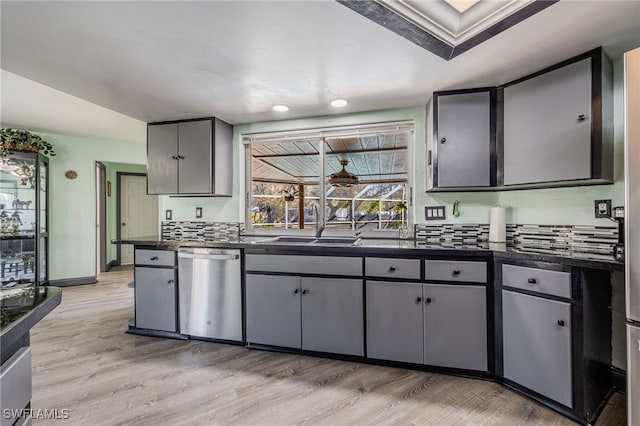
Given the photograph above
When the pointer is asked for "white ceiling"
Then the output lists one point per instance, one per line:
(169, 60)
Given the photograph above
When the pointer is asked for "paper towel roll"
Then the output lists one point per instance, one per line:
(497, 225)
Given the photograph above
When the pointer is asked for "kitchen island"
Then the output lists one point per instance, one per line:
(20, 310)
(455, 309)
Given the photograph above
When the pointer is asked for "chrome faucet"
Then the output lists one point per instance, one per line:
(319, 223)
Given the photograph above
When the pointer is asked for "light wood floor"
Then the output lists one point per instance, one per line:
(84, 362)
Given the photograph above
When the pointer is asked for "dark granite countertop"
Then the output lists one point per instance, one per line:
(21, 309)
(396, 247)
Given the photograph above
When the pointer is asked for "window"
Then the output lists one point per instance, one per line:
(369, 189)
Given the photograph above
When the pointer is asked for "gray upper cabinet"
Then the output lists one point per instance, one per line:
(558, 124)
(162, 152)
(190, 157)
(464, 133)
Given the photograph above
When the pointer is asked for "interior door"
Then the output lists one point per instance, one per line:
(138, 213)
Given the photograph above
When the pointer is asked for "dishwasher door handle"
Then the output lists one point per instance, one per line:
(209, 256)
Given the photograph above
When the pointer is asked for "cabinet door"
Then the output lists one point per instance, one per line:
(333, 315)
(155, 294)
(162, 163)
(196, 157)
(455, 326)
(536, 348)
(545, 139)
(273, 310)
(394, 321)
(463, 143)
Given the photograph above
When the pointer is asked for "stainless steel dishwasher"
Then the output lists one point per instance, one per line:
(210, 293)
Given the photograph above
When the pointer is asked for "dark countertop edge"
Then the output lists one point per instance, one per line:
(26, 322)
(563, 260)
(386, 250)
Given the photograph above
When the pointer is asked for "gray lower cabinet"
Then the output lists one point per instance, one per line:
(315, 314)
(190, 157)
(332, 315)
(462, 139)
(155, 299)
(273, 310)
(435, 324)
(15, 388)
(394, 321)
(537, 344)
(455, 326)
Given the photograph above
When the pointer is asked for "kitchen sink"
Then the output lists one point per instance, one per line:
(329, 240)
(309, 240)
(286, 240)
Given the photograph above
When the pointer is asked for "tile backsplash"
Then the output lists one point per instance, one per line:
(202, 231)
(598, 240)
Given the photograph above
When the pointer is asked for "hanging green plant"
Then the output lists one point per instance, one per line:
(23, 140)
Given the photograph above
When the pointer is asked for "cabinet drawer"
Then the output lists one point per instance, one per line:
(555, 283)
(393, 268)
(155, 257)
(321, 265)
(451, 270)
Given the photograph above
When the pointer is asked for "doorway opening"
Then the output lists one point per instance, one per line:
(101, 218)
(136, 211)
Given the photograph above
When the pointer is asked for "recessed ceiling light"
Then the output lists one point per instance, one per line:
(338, 103)
(280, 108)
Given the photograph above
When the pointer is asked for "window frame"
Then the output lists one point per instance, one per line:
(322, 134)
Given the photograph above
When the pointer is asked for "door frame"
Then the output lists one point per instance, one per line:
(101, 215)
(118, 207)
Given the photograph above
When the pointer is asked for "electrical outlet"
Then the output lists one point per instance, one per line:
(434, 212)
(198, 212)
(168, 214)
(602, 208)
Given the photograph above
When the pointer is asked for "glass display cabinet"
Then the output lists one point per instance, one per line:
(24, 229)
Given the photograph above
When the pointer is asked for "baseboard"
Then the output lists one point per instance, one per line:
(67, 282)
(619, 379)
(112, 264)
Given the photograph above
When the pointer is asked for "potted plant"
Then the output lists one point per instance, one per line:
(290, 193)
(23, 140)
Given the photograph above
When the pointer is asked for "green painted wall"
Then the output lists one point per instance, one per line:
(72, 241)
(112, 224)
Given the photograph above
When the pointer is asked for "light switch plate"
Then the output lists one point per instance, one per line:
(434, 212)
